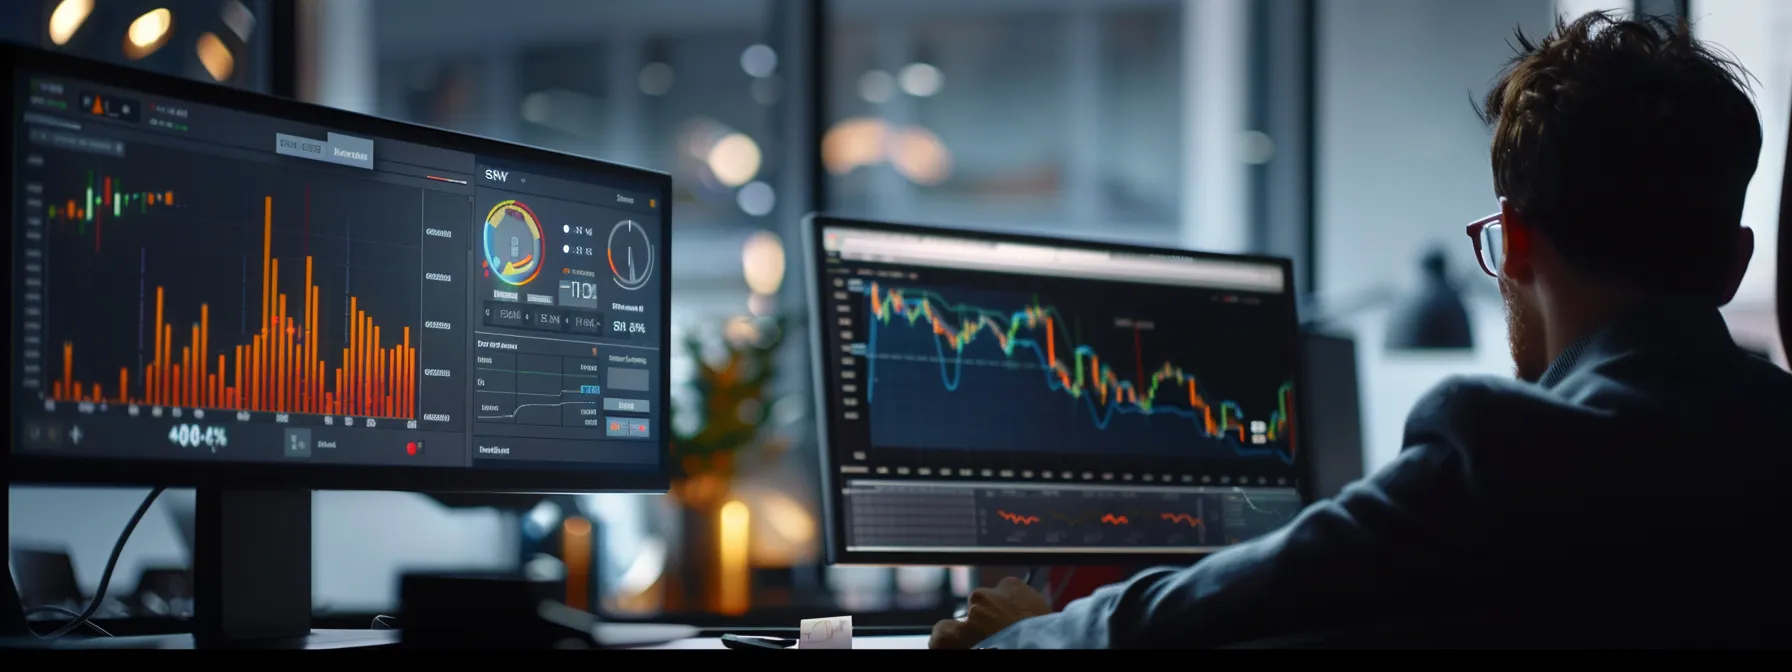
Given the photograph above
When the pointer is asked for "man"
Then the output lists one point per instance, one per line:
(1628, 489)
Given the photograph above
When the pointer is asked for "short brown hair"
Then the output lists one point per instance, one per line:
(1629, 145)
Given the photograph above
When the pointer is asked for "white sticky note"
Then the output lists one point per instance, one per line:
(825, 633)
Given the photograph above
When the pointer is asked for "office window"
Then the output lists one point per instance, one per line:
(1754, 31)
(1049, 117)
(1402, 167)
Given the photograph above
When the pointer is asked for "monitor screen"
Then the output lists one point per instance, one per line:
(992, 398)
(199, 281)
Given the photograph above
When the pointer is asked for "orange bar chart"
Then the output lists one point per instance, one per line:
(281, 369)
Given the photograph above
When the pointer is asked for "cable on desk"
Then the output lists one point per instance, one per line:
(99, 595)
(384, 622)
(65, 611)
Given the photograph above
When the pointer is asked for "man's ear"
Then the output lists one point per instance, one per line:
(1745, 250)
(1517, 264)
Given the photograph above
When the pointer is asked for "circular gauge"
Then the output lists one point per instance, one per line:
(514, 246)
(631, 255)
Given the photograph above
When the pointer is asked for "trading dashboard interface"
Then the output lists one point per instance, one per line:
(199, 283)
(994, 397)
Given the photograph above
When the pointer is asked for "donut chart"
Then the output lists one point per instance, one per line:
(514, 244)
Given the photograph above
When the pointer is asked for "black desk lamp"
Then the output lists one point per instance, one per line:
(1435, 318)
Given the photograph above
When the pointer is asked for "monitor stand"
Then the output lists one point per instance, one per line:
(251, 580)
(252, 573)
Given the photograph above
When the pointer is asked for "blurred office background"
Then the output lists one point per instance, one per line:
(1336, 132)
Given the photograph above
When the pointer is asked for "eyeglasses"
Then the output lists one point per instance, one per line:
(1490, 243)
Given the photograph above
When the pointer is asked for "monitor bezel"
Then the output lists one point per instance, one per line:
(827, 405)
(44, 469)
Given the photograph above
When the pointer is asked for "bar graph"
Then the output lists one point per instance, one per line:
(281, 367)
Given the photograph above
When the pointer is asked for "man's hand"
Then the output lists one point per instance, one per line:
(991, 610)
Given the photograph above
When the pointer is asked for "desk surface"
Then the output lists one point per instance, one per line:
(873, 642)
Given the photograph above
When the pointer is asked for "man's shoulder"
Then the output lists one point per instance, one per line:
(1473, 401)
(1504, 416)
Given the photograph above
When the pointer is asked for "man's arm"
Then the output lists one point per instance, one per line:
(1408, 536)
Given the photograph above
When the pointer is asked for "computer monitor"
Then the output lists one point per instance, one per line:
(249, 295)
(996, 399)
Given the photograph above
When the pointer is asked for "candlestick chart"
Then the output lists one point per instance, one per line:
(979, 370)
(251, 293)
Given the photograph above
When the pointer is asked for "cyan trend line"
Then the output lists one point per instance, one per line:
(1101, 416)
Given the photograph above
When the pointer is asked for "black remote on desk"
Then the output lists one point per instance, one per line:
(749, 642)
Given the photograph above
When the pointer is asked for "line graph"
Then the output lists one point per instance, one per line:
(1133, 525)
(530, 389)
(1181, 518)
(1017, 519)
(1119, 518)
(1030, 358)
(1101, 517)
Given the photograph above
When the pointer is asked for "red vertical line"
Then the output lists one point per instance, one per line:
(373, 367)
(75, 394)
(1138, 357)
(267, 290)
(218, 385)
(124, 388)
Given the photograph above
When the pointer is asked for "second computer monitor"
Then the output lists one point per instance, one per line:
(995, 399)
